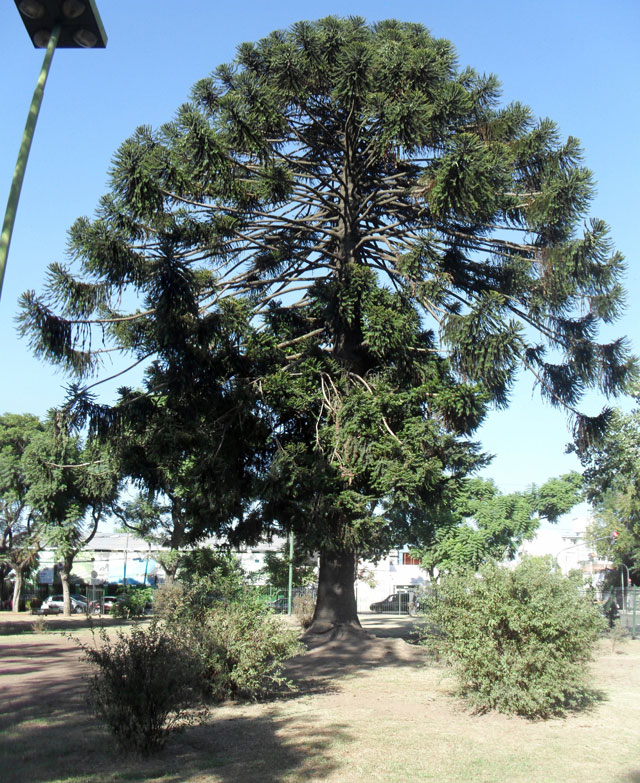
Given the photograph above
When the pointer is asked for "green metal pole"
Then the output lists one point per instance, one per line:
(23, 155)
(290, 601)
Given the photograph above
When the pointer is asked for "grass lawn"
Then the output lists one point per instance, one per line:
(388, 718)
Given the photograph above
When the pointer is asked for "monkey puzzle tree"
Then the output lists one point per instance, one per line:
(351, 236)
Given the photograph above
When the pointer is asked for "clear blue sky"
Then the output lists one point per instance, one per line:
(576, 61)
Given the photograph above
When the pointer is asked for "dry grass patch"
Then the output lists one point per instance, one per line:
(380, 715)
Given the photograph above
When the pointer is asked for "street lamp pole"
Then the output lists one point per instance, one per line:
(23, 155)
(72, 24)
(623, 565)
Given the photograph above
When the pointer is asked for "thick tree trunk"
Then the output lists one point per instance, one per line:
(66, 593)
(336, 603)
(17, 589)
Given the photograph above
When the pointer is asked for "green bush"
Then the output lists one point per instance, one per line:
(241, 646)
(132, 603)
(144, 684)
(518, 640)
(169, 599)
(205, 579)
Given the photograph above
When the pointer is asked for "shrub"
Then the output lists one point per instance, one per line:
(132, 603)
(168, 600)
(241, 647)
(199, 589)
(144, 684)
(40, 625)
(303, 609)
(518, 640)
(34, 603)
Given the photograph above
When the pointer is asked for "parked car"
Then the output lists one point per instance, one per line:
(104, 605)
(280, 605)
(54, 604)
(396, 603)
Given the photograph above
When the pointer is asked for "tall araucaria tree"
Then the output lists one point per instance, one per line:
(350, 235)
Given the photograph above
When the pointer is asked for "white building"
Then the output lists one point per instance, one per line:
(568, 544)
(121, 558)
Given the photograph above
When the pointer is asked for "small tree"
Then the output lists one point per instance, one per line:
(612, 483)
(20, 523)
(518, 640)
(482, 524)
(72, 486)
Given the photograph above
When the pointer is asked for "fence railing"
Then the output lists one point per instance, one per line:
(620, 606)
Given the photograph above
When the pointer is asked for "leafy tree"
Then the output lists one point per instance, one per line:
(191, 475)
(485, 525)
(338, 253)
(72, 486)
(612, 484)
(20, 523)
(276, 568)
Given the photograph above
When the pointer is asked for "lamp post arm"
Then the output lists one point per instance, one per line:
(23, 155)
(574, 546)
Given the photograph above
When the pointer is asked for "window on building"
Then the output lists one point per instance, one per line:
(407, 559)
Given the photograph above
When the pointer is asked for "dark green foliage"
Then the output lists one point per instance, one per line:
(276, 568)
(144, 682)
(242, 646)
(518, 640)
(133, 602)
(333, 259)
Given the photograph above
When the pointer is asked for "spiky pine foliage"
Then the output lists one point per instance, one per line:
(346, 224)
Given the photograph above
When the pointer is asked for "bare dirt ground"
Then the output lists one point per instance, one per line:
(363, 711)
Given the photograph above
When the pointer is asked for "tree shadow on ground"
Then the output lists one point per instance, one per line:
(346, 655)
(633, 776)
(48, 732)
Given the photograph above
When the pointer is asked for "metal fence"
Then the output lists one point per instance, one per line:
(621, 606)
(277, 598)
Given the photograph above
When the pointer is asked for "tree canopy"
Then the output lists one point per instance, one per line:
(20, 524)
(483, 525)
(612, 484)
(337, 254)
